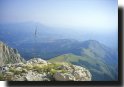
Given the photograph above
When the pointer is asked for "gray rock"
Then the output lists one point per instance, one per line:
(9, 55)
(36, 60)
(4, 69)
(19, 78)
(78, 74)
(33, 76)
(63, 76)
(65, 67)
(66, 72)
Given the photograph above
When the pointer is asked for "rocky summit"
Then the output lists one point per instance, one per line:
(9, 55)
(37, 69)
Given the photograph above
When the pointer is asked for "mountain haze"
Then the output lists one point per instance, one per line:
(34, 40)
(24, 32)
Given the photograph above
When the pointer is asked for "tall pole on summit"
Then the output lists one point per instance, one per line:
(36, 32)
(35, 41)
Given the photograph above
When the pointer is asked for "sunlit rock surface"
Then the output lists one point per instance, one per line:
(38, 69)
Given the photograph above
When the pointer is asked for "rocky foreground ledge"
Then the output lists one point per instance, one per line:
(38, 69)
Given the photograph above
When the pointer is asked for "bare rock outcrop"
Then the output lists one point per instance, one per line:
(38, 69)
(74, 73)
(9, 55)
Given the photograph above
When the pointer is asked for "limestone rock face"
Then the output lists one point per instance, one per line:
(9, 55)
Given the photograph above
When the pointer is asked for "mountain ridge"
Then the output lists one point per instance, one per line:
(62, 46)
(27, 29)
(100, 70)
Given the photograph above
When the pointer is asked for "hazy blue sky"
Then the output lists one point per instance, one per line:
(62, 13)
(98, 17)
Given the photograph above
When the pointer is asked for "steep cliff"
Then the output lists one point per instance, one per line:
(9, 55)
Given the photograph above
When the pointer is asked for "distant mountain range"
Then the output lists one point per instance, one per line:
(24, 32)
(53, 45)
